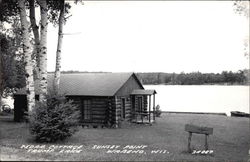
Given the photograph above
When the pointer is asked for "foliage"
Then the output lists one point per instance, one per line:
(242, 8)
(49, 10)
(55, 121)
(8, 8)
(54, 10)
(194, 78)
(158, 111)
(12, 67)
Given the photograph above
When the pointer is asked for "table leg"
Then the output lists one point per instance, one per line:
(189, 142)
(206, 143)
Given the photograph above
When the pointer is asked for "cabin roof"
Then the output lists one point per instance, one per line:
(143, 92)
(88, 84)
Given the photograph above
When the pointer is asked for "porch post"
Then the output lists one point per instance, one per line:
(149, 111)
(154, 107)
(141, 111)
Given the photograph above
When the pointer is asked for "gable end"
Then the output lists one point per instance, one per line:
(131, 84)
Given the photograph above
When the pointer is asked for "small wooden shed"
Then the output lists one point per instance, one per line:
(105, 99)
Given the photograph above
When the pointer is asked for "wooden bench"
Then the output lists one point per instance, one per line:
(141, 116)
(199, 130)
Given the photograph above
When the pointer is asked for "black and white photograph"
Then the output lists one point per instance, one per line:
(124, 80)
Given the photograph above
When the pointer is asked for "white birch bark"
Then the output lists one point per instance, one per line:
(27, 49)
(1, 77)
(35, 30)
(43, 51)
(59, 49)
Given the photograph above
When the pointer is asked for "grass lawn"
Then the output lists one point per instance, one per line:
(230, 140)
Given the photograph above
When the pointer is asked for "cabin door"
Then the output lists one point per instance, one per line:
(123, 112)
(140, 108)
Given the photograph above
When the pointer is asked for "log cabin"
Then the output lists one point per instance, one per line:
(105, 99)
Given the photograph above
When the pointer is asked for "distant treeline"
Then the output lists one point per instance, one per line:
(195, 78)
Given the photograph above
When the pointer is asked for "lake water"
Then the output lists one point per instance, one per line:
(202, 98)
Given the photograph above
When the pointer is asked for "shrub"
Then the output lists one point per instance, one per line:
(158, 111)
(55, 121)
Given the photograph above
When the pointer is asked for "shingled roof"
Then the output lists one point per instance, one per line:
(88, 84)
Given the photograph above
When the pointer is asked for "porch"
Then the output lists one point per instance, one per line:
(143, 106)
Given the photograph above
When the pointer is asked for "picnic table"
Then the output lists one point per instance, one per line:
(199, 130)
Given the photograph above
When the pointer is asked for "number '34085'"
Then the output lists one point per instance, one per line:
(205, 152)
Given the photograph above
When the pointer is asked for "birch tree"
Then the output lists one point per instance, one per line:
(40, 38)
(27, 49)
(10, 8)
(59, 48)
(1, 75)
(64, 10)
(43, 50)
(35, 29)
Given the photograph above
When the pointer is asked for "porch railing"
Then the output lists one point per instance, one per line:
(142, 117)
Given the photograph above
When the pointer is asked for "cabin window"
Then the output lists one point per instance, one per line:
(86, 109)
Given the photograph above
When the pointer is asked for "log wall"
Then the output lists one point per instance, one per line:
(99, 109)
(104, 110)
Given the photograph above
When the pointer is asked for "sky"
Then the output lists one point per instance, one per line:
(152, 36)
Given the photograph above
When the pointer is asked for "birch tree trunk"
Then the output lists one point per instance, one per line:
(35, 30)
(59, 49)
(43, 51)
(1, 77)
(27, 49)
